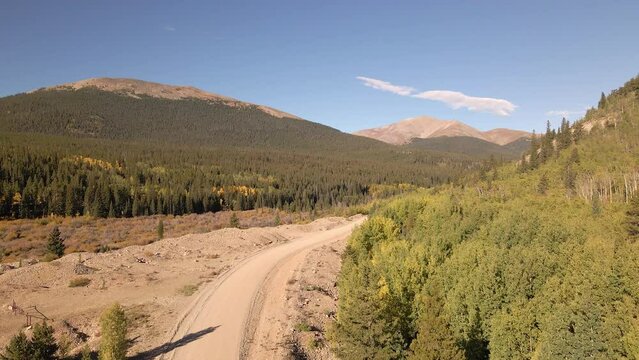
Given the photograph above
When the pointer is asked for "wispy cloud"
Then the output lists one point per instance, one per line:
(169, 28)
(454, 99)
(386, 86)
(458, 100)
(565, 113)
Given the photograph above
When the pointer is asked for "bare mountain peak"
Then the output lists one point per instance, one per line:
(424, 127)
(136, 88)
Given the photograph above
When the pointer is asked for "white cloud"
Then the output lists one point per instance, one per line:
(169, 28)
(457, 100)
(565, 113)
(386, 86)
(454, 99)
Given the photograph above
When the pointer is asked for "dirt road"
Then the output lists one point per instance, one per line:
(217, 323)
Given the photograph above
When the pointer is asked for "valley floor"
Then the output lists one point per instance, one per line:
(156, 283)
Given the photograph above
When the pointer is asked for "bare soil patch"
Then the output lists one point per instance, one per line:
(153, 282)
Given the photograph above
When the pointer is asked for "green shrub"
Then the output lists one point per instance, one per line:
(49, 257)
(79, 282)
(303, 327)
(86, 353)
(188, 290)
(314, 344)
(160, 229)
(113, 326)
(234, 221)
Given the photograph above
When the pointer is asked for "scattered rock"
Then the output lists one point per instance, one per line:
(6, 267)
(81, 269)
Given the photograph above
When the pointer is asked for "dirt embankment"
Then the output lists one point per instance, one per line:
(308, 307)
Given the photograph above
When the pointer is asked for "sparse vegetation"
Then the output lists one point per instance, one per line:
(86, 353)
(188, 290)
(314, 344)
(79, 282)
(303, 327)
(48, 257)
(90, 234)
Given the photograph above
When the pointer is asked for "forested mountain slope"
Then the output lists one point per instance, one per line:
(534, 260)
(472, 146)
(109, 113)
(121, 148)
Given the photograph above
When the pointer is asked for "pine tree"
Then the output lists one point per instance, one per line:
(547, 147)
(234, 221)
(602, 101)
(113, 326)
(542, 186)
(160, 229)
(570, 178)
(534, 147)
(56, 243)
(578, 132)
(574, 157)
(135, 208)
(19, 348)
(43, 344)
(596, 204)
(434, 339)
(632, 219)
(564, 137)
(86, 353)
(361, 330)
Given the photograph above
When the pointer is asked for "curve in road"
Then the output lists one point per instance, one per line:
(223, 311)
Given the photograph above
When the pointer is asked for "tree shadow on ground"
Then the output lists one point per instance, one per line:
(165, 348)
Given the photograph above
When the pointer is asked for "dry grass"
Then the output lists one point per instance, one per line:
(27, 238)
(188, 290)
(79, 282)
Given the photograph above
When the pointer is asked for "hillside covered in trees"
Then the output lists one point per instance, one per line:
(472, 146)
(535, 260)
(109, 154)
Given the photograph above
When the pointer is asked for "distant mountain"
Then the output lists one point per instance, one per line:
(128, 109)
(472, 146)
(137, 88)
(424, 127)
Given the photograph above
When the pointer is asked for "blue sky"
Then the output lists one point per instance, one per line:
(526, 60)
